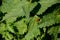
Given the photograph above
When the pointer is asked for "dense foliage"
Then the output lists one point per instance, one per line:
(29, 19)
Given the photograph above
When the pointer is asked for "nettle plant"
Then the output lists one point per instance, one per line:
(29, 19)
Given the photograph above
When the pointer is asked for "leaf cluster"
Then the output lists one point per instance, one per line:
(29, 19)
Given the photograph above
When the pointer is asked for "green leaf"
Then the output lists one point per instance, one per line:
(10, 28)
(17, 8)
(2, 28)
(54, 30)
(49, 19)
(13, 8)
(29, 7)
(10, 20)
(45, 4)
(21, 26)
(33, 30)
(7, 36)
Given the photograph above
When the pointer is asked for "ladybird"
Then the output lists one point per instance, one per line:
(38, 19)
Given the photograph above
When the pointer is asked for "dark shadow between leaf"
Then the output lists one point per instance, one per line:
(50, 9)
(35, 10)
(0, 2)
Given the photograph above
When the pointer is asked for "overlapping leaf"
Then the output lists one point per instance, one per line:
(33, 30)
(50, 19)
(19, 8)
(21, 26)
(45, 4)
(16, 8)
